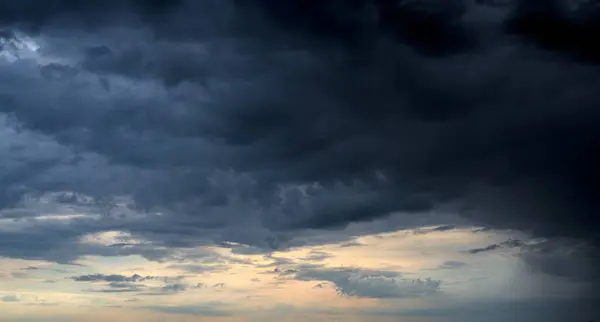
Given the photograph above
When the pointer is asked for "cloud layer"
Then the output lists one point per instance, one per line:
(265, 126)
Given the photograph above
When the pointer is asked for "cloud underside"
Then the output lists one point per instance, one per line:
(281, 131)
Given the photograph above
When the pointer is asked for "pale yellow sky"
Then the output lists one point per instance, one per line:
(247, 286)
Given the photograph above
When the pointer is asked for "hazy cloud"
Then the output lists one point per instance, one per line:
(452, 265)
(317, 256)
(10, 298)
(210, 309)
(371, 284)
(107, 278)
(511, 243)
(199, 269)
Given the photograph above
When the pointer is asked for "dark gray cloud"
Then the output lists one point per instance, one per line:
(370, 284)
(570, 259)
(89, 13)
(248, 122)
(284, 272)
(108, 278)
(362, 198)
(563, 26)
(484, 249)
(122, 281)
(434, 229)
(127, 284)
(511, 243)
(452, 265)
(174, 288)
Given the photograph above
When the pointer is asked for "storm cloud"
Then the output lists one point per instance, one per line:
(187, 123)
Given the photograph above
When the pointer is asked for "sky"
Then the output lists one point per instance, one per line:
(300, 160)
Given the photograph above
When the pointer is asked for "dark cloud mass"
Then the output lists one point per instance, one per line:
(566, 26)
(259, 122)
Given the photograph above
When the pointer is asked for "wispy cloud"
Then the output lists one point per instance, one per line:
(211, 309)
(452, 265)
(10, 298)
(511, 243)
(430, 230)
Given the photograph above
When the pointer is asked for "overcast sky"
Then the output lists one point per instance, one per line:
(299, 160)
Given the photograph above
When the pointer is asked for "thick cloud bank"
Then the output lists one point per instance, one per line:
(256, 122)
